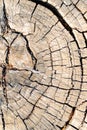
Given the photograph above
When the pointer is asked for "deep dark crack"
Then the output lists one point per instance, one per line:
(3, 120)
(43, 65)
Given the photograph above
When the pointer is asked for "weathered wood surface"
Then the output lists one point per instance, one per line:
(43, 65)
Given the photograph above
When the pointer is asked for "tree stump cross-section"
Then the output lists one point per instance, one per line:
(43, 65)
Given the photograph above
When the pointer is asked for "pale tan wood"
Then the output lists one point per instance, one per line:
(43, 65)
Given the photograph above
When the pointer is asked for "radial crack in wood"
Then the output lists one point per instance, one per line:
(43, 65)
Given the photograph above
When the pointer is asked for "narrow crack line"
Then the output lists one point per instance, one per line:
(33, 89)
(55, 12)
(34, 106)
(79, 31)
(81, 64)
(14, 40)
(73, 127)
(10, 85)
(27, 43)
(4, 20)
(64, 3)
(35, 26)
(7, 55)
(28, 48)
(10, 109)
(85, 115)
(70, 56)
(51, 59)
(60, 128)
(47, 32)
(27, 99)
(84, 57)
(67, 27)
(83, 34)
(17, 69)
(82, 103)
(60, 49)
(51, 64)
(3, 120)
(32, 56)
(8, 50)
(56, 101)
(80, 12)
(4, 84)
(74, 66)
(11, 67)
(85, 39)
(5, 67)
(43, 86)
(33, 10)
(49, 113)
(30, 76)
(31, 53)
(23, 121)
(52, 85)
(70, 118)
(51, 123)
(5, 40)
(81, 82)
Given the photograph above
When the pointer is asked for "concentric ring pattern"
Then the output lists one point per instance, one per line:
(43, 65)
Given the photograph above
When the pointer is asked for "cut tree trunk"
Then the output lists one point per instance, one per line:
(43, 64)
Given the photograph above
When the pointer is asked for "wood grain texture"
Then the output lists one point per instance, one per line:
(43, 65)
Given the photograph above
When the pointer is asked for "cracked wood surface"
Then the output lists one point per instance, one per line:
(43, 65)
